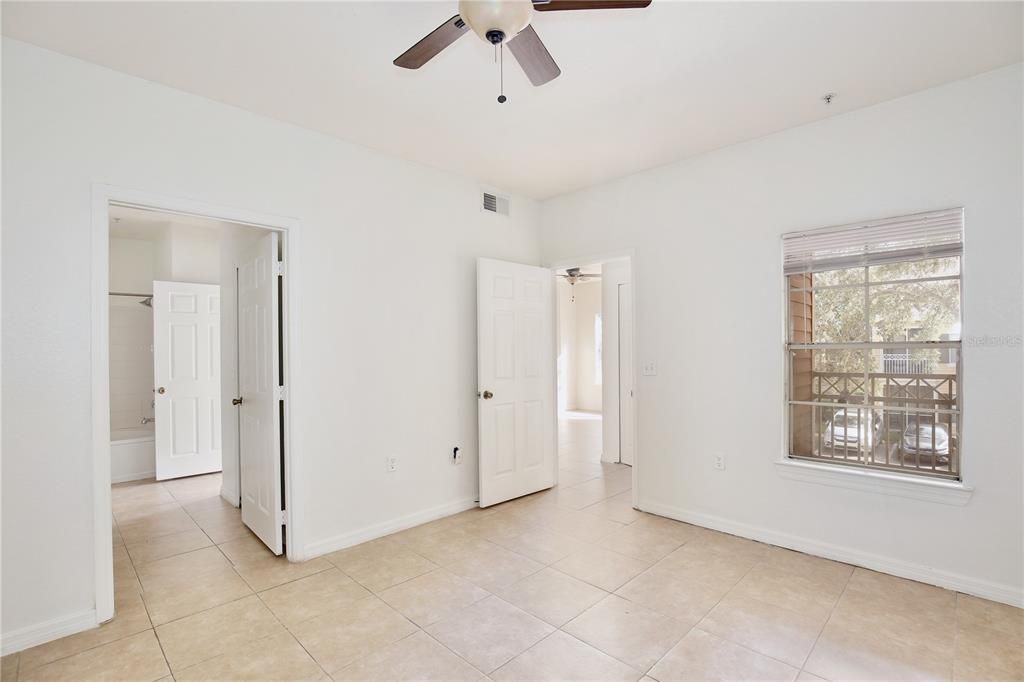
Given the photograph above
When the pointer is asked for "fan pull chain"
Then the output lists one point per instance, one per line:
(501, 73)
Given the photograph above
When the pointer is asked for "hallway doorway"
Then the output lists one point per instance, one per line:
(595, 383)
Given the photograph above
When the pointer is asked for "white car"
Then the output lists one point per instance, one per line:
(918, 439)
(849, 429)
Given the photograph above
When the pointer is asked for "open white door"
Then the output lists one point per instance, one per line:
(516, 371)
(186, 372)
(259, 379)
(627, 418)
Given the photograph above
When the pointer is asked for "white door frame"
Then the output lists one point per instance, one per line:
(102, 197)
(627, 255)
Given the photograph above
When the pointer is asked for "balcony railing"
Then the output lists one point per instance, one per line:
(906, 421)
(901, 363)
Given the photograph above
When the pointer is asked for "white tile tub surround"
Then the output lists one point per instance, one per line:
(132, 454)
(131, 362)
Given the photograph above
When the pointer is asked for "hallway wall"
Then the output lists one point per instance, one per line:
(585, 311)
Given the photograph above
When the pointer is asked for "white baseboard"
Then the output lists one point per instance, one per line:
(140, 476)
(47, 631)
(1007, 594)
(333, 544)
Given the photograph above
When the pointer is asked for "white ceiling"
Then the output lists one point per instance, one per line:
(639, 88)
(137, 223)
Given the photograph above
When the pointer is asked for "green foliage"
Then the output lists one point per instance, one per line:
(909, 311)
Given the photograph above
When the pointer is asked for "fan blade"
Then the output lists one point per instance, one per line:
(559, 5)
(432, 44)
(535, 59)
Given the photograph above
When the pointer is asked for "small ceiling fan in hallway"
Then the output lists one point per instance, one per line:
(505, 21)
(573, 276)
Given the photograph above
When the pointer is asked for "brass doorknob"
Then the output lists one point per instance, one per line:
(236, 401)
(488, 395)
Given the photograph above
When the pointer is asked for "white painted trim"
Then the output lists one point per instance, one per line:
(140, 476)
(232, 497)
(1006, 594)
(880, 482)
(102, 196)
(49, 630)
(378, 530)
(102, 509)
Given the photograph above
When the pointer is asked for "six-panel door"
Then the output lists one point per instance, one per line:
(186, 372)
(516, 373)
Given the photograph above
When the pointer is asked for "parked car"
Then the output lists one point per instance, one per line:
(924, 437)
(849, 428)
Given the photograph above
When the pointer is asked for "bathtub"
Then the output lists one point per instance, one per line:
(132, 454)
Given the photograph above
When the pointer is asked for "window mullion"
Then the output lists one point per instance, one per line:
(868, 443)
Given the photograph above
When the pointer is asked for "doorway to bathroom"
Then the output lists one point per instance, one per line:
(165, 345)
(193, 299)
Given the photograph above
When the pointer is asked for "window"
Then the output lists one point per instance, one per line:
(873, 345)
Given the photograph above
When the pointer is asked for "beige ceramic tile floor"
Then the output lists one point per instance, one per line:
(570, 583)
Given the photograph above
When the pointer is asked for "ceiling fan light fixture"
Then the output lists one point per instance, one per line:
(490, 19)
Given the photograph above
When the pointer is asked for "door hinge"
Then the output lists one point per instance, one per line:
(279, 268)
(280, 517)
(279, 393)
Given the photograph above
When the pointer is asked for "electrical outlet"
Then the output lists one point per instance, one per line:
(456, 456)
(392, 463)
(720, 462)
(649, 369)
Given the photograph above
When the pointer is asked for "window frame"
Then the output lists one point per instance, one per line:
(829, 471)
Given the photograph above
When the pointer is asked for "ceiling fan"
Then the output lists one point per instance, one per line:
(573, 276)
(505, 21)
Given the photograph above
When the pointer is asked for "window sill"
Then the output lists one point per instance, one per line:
(884, 483)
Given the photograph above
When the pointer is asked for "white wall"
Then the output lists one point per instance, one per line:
(131, 364)
(132, 270)
(577, 376)
(385, 362)
(708, 282)
(188, 253)
(586, 307)
(133, 265)
(566, 346)
(613, 273)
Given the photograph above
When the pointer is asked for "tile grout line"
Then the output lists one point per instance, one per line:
(332, 565)
(516, 512)
(145, 605)
(253, 592)
(151, 628)
(956, 635)
(828, 620)
(290, 633)
(643, 672)
(149, 616)
(455, 653)
(720, 600)
(614, 593)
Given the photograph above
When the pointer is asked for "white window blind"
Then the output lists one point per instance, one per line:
(935, 234)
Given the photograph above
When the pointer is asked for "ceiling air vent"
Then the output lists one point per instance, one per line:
(495, 203)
